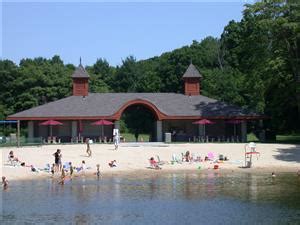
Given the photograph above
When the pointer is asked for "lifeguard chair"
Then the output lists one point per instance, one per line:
(250, 151)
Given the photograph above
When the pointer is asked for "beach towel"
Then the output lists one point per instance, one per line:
(211, 156)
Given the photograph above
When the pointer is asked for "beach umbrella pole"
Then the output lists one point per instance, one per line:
(51, 131)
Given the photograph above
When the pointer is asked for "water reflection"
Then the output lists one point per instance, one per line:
(128, 199)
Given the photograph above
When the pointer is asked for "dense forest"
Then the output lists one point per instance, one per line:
(254, 64)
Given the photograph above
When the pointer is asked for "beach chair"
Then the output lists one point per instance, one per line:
(176, 159)
(159, 162)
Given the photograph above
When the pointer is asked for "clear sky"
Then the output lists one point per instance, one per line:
(113, 31)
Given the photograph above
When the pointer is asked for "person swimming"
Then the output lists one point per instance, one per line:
(273, 174)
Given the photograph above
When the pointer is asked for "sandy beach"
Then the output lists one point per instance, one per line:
(134, 158)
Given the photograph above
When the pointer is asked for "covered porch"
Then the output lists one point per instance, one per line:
(76, 131)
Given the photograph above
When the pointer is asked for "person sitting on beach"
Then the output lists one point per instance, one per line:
(153, 163)
(187, 156)
(83, 166)
(12, 157)
(113, 163)
(4, 183)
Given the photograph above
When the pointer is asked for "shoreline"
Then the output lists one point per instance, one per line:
(278, 158)
(146, 173)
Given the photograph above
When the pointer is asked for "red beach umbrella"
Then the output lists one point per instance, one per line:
(50, 123)
(204, 122)
(102, 123)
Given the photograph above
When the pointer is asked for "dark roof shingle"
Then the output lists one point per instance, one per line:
(191, 72)
(107, 104)
(80, 72)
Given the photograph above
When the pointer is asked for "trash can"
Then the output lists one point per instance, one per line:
(168, 138)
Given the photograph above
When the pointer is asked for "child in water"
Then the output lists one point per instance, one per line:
(71, 169)
(63, 176)
(98, 170)
(52, 169)
(4, 183)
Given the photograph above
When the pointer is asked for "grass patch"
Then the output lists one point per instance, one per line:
(130, 137)
(252, 138)
(289, 138)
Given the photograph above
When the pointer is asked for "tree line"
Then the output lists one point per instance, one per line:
(254, 64)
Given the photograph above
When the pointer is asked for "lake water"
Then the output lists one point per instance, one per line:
(174, 198)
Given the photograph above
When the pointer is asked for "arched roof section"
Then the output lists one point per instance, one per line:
(156, 112)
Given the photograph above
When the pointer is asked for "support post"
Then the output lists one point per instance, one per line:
(18, 133)
(159, 131)
(201, 129)
(244, 131)
(74, 130)
(30, 131)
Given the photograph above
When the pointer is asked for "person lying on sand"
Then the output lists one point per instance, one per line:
(113, 163)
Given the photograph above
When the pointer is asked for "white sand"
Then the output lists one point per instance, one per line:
(273, 157)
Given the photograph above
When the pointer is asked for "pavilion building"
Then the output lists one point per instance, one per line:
(173, 112)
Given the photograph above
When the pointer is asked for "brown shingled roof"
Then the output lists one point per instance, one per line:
(80, 72)
(191, 72)
(106, 104)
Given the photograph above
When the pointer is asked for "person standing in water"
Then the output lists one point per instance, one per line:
(71, 169)
(57, 155)
(98, 170)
